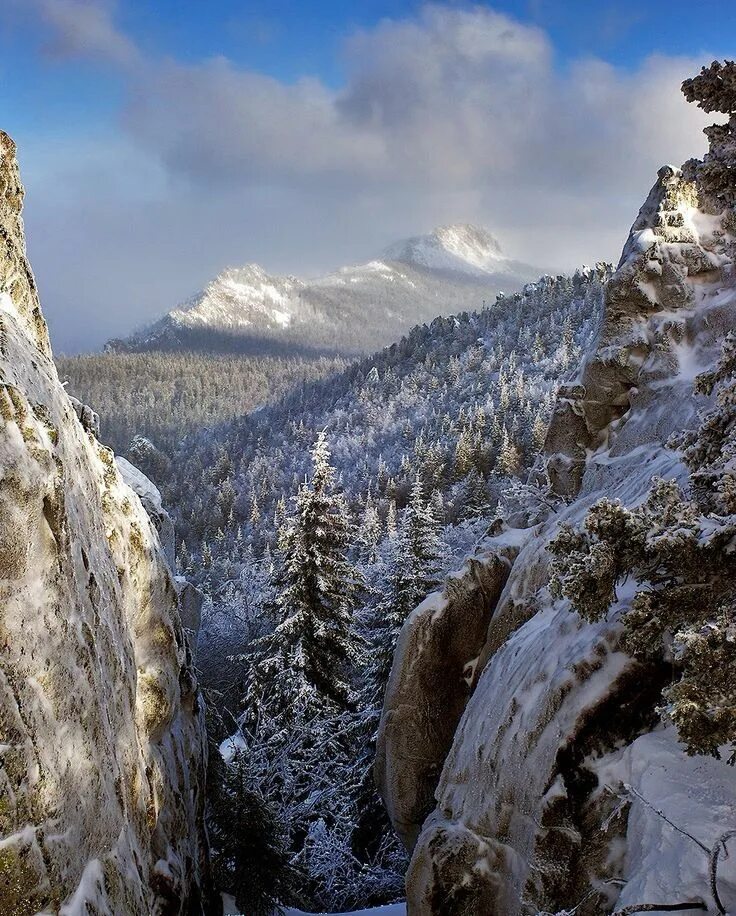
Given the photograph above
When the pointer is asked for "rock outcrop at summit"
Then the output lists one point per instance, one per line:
(548, 795)
(102, 739)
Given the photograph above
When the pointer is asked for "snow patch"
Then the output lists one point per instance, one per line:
(698, 794)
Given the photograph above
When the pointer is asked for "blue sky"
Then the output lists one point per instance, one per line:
(288, 39)
(162, 141)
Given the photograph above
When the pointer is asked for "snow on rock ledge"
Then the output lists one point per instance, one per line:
(101, 724)
(558, 711)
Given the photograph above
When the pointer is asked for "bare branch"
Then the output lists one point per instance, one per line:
(664, 817)
(718, 847)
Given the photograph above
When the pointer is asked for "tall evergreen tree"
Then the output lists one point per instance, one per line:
(411, 568)
(302, 668)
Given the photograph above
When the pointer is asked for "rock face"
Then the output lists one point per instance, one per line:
(443, 638)
(526, 814)
(102, 736)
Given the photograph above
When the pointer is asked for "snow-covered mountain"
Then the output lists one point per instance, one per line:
(460, 247)
(352, 310)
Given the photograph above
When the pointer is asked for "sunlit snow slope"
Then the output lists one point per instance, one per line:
(356, 309)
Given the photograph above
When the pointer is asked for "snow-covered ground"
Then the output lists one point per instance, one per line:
(395, 909)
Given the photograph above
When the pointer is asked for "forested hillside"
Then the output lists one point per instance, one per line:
(382, 476)
(166, 396)
(463, 403)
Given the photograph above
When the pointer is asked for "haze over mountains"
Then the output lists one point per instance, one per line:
(356, 309)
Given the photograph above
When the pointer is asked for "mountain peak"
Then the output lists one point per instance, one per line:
(356, 308)
(459, 247)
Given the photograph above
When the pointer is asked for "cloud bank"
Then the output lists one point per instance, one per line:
(454, 114)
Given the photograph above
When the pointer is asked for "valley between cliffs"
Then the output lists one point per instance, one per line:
(525, 755)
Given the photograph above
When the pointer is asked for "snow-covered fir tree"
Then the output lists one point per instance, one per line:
(303, 667)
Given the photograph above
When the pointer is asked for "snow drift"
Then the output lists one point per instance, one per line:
(101, 722)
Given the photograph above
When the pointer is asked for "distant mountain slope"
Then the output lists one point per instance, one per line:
(356, 309)
(462, 248)
(459, 384)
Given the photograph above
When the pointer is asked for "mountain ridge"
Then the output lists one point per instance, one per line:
(353, 309)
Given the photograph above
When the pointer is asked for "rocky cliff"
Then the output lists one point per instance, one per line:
(101, 724)
(541, 786)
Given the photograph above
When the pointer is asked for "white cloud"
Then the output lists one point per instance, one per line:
(454, 114)
(84, 28)
(454, 98)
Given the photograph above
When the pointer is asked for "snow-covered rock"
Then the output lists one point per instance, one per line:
(443, 638)
(461, 247)
(528, 814)
(150, 497)
(355, 309)
(102, 741)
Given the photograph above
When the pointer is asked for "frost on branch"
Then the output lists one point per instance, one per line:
(679, 552)
(714, 89)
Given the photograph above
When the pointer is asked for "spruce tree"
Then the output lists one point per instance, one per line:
(370, 530)
(411, 557)
(301, 670)
(509, 456)
(249, 842)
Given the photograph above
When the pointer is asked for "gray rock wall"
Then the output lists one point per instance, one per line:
(560, 719)
(102, 741)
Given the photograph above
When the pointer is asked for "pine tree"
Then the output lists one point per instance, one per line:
(392, 525)
(410, 562)
(419, 544)
(464, 454)
(370, 530)
(249, 841)
(476, 500)
(538, 351)
(566, 349)
(539, 431)
(509, 456)
(714, 89)
(255, 512)
(183, 558)
(437, 508)
(302, 668)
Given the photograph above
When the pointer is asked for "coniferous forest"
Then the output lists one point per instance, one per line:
(314, 523)
(399, 588)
